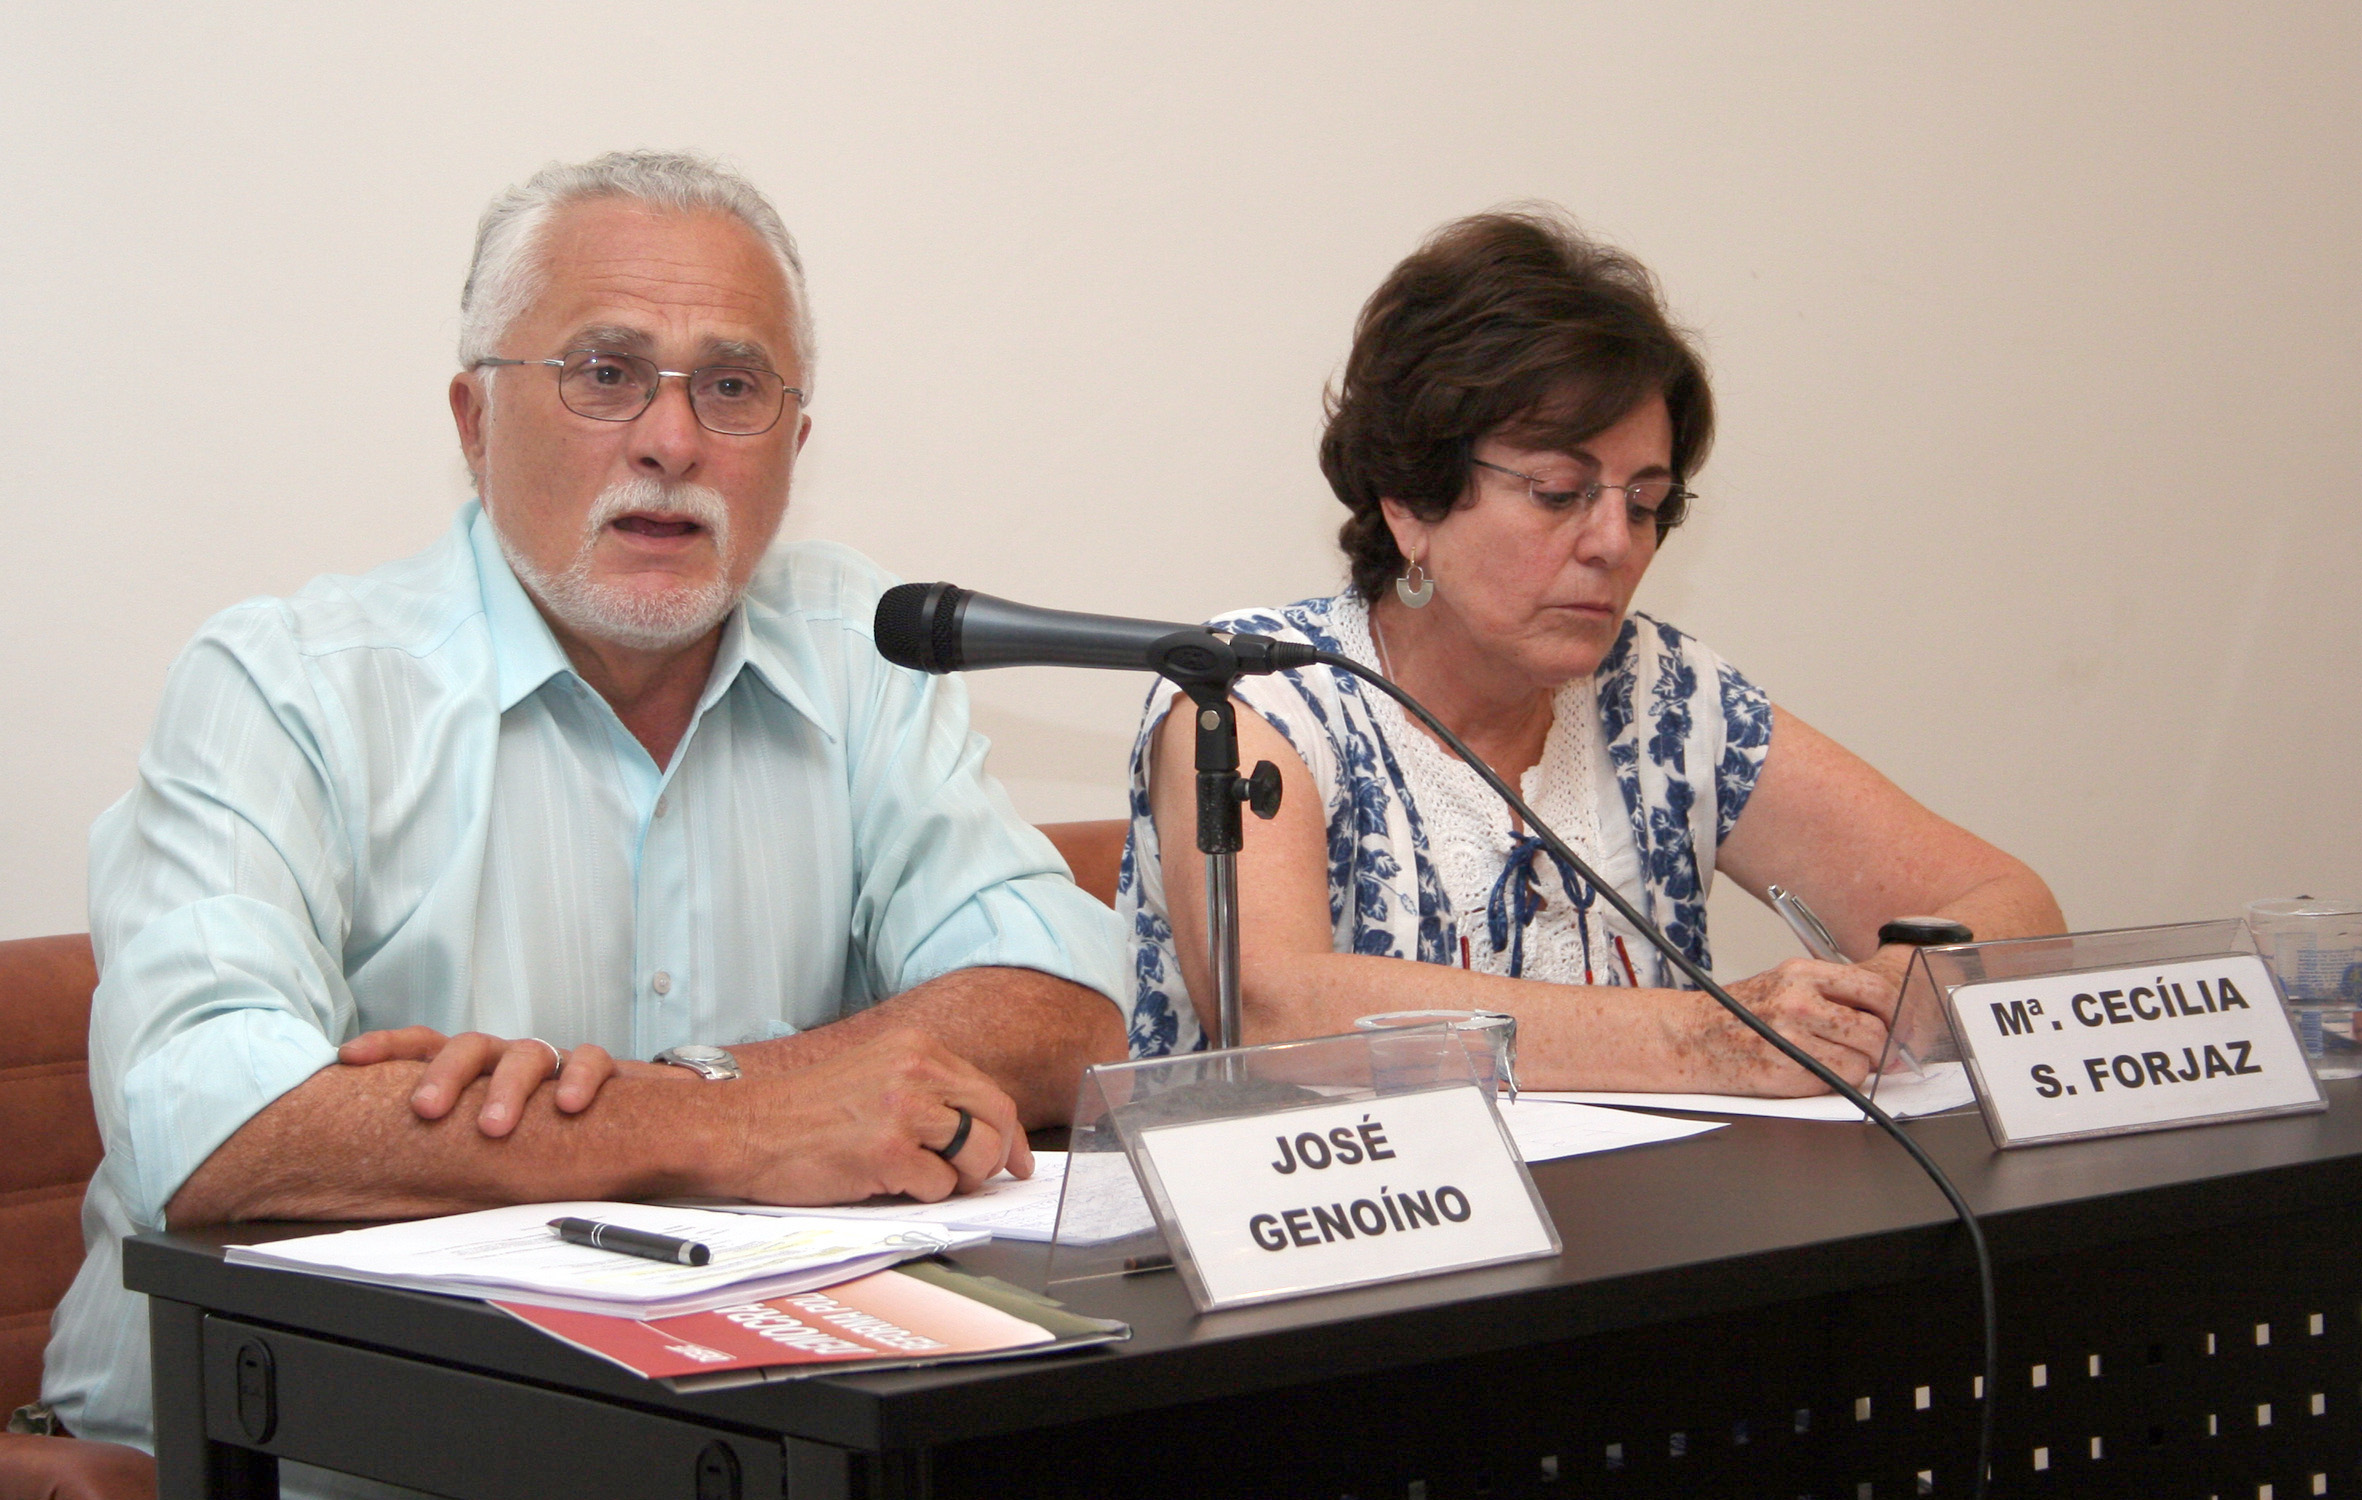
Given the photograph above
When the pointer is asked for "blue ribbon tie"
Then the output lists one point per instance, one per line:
(1517, 896)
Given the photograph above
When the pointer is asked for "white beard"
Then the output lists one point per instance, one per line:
(620, 614)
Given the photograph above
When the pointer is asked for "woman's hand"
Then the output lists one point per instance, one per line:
(1839, 1013)
(518, 1067)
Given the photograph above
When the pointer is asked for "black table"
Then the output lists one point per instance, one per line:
(1775, 1308)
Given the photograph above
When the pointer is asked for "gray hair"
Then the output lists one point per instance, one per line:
(505, 275)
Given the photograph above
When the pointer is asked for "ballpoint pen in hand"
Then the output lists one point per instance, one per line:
(1817, 942)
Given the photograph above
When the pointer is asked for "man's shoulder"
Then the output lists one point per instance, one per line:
(413, 607)
(810, 610)
(823, 586)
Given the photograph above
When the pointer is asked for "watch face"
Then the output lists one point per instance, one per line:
(706, 1062)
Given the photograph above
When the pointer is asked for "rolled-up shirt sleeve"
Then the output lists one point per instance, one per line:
(218, 892)
(950, 876)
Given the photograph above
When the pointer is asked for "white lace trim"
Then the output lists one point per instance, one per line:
(1469, 833)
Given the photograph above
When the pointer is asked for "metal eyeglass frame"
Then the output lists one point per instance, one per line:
(687, 377)
(1677, 498)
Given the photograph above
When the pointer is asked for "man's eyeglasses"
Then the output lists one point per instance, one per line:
(735, 399)
(1658, 502)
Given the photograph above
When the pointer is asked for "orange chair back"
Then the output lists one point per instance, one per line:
(1094, 851)
(51, 1141)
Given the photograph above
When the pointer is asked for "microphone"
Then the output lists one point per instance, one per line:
(940, 627)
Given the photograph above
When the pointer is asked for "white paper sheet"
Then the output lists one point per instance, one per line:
(1028, 1210)
(1549, 1126)
(1006, 1207)
(1945, 1086)
(1103, 1203)
(511, 1253)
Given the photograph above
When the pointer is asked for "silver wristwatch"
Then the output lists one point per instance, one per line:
(709, 1063)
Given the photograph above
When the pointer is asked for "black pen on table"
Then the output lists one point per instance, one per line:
(627, 1241)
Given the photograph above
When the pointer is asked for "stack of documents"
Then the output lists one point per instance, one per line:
(926, 1313)
(512, 1255)
(1009, 1208)
(1544, 1127)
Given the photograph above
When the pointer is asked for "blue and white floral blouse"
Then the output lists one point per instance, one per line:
(1423, 865)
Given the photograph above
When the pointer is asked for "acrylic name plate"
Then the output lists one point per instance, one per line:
(2157, 1033)
(1271, 1172)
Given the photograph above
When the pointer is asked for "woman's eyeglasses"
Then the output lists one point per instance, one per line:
(1658, 502)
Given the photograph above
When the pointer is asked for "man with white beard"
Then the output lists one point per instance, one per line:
(601, 774)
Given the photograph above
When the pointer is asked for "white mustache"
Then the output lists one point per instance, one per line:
(693, 502)
(606, 612)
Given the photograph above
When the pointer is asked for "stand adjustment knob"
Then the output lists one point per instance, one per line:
(1260, 791)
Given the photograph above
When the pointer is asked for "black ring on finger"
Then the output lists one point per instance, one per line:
(959, 1137)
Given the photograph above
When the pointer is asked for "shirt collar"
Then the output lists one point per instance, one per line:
(523, 648)
(528, 655)
(754, 640)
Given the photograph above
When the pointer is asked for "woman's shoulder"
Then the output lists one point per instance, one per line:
(1645, 633)
(1668, 661)
(1311, 621)
(1657, 667)
(1668, 686)
(1318, 710)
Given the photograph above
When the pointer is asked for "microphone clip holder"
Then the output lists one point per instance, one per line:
(1204, 664)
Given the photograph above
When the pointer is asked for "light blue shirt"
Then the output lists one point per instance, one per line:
(389, 800)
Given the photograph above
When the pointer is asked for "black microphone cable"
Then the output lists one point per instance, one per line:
(923, 626)
(1753, 1022)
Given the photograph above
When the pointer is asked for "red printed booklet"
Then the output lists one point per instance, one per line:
(928, 1313)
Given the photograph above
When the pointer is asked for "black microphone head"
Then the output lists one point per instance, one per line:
(917, 626)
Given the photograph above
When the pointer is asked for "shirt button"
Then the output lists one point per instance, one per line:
(663, 805)
(661, 983)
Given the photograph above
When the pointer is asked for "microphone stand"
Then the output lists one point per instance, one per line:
(918, 625)
(1204, 665)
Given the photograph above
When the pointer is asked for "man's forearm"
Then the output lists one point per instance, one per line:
(875, 1118)
(1030, 1032)
(345, 1144)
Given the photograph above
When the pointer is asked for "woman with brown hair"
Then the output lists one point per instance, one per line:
(1513, 436)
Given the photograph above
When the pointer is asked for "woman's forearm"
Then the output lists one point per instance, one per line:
(2011, 903)
(1568, 1036)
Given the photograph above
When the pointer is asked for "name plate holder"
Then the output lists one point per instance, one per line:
(2105, 1033)
(1261, 1173)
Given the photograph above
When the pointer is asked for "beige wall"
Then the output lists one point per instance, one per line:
(2034, 330)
